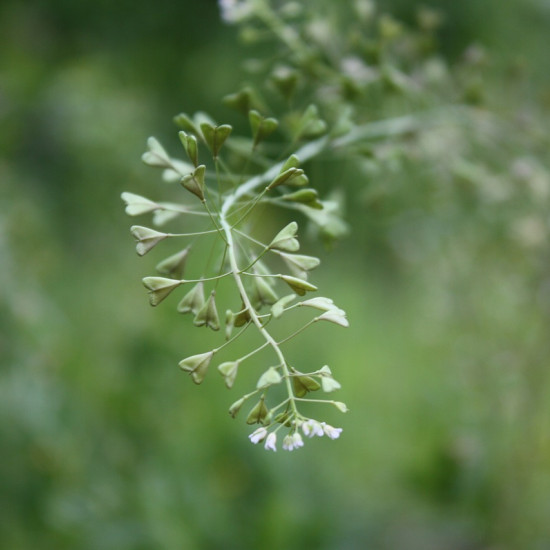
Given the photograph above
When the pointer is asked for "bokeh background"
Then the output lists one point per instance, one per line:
(105, 444)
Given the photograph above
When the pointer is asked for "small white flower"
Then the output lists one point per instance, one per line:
(288, 443)
(270, 442)
(311, 428)
(291, 442)
(258, 435)
(297, 439)
(333, 433)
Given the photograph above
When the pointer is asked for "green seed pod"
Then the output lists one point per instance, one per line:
(197, 365)
(236, 407)
(310, 125)
(308, 197)
(136, 204)
(304, 384)
(159, 288)
(291, 176)
(146, 238)
(261, 127)
(319, 302)
(286, 239)
(258, 413)
(208, 314)
(278, 307)
(156, 155)
(229, 372)
(215, 136)
(327, 382)
(242, 317)
(190, 145)
(268, 378)
(299, 264)
(263, 293)
(185, 122)
(229, 323)
(195, 182)
(340, 406)
(174, 265)
(298, 285)
(193, 301)
(244, 100)
(285, 80)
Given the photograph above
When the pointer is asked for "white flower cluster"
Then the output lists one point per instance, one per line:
(234, 11)
(293, 441)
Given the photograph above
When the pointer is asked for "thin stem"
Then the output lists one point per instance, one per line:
(218, 229)
(231, 340)
(180, 208)
(210, 231)
(294, 334)
(206, 278)
(305, 400)
(253, 204)
(248, 355)
(258, 258)
(252, 239)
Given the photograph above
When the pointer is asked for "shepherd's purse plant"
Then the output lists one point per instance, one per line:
(322, 81)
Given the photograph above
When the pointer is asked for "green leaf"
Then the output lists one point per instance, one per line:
(159, 288)
(229, 371)
(208, 314)
(197, 365)
(174, 265)
(193, 301)
(286, 239)
(136, 204)
(298, 285)
(146, 238)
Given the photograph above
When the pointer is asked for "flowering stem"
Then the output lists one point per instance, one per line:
(246, 300)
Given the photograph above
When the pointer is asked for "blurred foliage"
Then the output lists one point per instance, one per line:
(445, 280)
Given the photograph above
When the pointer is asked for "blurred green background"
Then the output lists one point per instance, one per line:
(106, 445)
